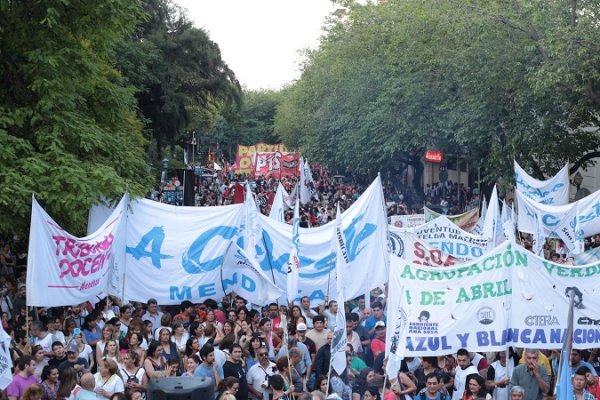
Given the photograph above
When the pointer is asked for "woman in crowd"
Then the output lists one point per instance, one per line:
(50, 382)
(134, 341)
(321, 385)
(68, 329)
(212, 319)
(242, 314)
(296, 313)
(228, 388)
(229, 328)
(191, 363)
(38, 356)
(180, 336)
(362, 382)
(108, 380)
(107, 335)
(69, 383)
(169, 348)
(137, 326)
(85, 350)
(33, 392)
(155, 364)
(371, 393)
(254, 317)
(271, 339)
(132, 373)
(111, 352)
(149, 331)
(92, 331)
(191, 348)
(196, 330)
(165, 323)
(475, 388)
(252, 352)
(296, 386)
(245, 333)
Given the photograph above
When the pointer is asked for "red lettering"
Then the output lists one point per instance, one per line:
(419, 250)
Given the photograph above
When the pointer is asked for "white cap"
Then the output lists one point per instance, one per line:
(301, 327)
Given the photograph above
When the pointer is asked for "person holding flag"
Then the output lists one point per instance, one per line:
(293, 275)
(338, 345)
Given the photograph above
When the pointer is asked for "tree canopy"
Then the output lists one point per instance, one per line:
(491, 80)
(68, 127)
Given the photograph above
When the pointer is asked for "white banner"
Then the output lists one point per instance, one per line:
(444, 235)
(562, 221)
(407, 221)
(175, 253)
(450, 308)
(554, 191)
(365, 229)
(540, 307)
(63, 269)
(509, 297)
(243, 276)
(407, 245)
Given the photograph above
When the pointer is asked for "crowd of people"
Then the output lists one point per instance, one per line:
(111, 350)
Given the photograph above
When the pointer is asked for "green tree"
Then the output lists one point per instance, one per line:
(182, 82)
(68, 128)
(493, 80)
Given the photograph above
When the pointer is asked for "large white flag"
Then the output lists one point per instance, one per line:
(554, 191)
(63, 269)
(293, 275)
(241, 274)
(492, 226)
(279, 205)
(5, 359)
(251, 230)
(342, 262)
(307, 185)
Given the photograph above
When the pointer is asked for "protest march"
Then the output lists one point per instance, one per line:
(282, 284)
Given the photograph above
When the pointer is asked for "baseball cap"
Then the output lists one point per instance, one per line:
(379, 324)
(72, 347)
(301, 327)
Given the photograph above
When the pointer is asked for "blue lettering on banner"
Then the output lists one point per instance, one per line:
(185, 292)
(354, 243)
(191, 259)
(156, 236)
(246, 283)
(536, 193)
(191, 263)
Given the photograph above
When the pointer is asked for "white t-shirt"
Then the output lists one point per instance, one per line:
(46, 343)
(85, 353)
(460, 377)
(138, 373)
(256, 376)
(114, 384)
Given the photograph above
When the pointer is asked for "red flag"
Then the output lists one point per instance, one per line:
(238, 195)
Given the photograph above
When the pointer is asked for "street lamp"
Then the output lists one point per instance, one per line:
(165, 165)
(577, 180)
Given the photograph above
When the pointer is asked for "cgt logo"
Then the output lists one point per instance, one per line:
(486, 315)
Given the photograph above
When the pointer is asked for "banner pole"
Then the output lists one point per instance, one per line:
(328, 377)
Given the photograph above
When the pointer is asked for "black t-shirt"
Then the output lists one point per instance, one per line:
(310, 345)
(237, 371)
(55, 362)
